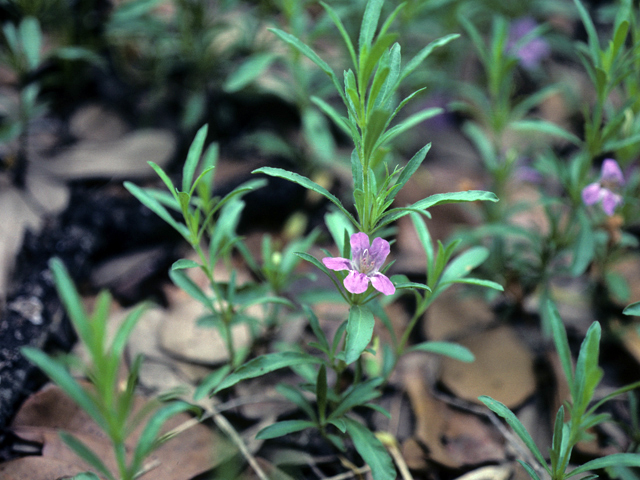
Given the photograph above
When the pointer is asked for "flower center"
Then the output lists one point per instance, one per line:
(366, 263)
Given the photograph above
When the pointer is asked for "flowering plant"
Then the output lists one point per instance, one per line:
(365, 265)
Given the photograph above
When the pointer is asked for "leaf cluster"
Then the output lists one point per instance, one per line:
(582, 414)
(104, 400)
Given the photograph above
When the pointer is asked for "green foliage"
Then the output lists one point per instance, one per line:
(582, 380)
(111, 407)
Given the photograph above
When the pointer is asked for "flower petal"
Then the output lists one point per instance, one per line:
(591, 193)
(379, 252)
(610, 201)
(356, 282)
(359, 243)
(337, 263)
(381, 283)
(611, 172)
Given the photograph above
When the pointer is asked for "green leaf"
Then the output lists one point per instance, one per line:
(632, 309)
(149, 439)
(369, 24)
(265, 364)
(584, 247)
(305, 182)
(210, 382)
(31, 36)
(455, 197)
(180, 279)
(464, 263)
(155, 206)
(448, 349)
(529, 469)
(310, 54)
(371, 450)
(409, 169)
(61, 377)
(588, 374)
(321, 393)
(340, 120)
(85, 476)
(501, 410)
(555, 452)
(481, 283)
(594, 48)
(184, 263)
(297, 398)
(193, 157)
(407, 124)
(359, 332)
(543, 126)
(437, 199)
(424, 53)
(249, 71)
(86, 454)
(343, 32)
(614, 460)
(283, 428)
(71, 300)
(124, 332)
(359, 395)
(340, 424)
(560, 339)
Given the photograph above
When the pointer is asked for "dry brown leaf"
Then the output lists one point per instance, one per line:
(452, 315)
(39, 468)
(123, 158)
(503, 368)
(94, 122)
(448, 436)
(49, 411)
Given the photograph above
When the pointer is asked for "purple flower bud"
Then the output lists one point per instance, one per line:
(601, 191)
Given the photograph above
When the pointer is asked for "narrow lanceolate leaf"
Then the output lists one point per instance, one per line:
(210, 382)
(542, 126)
(283, 428)
(617, 459)
(156, 207)
(193, 157)
(448, 349)
(632, 309)
(61, 377)
(529, 469)
(437, 199)
(501, 410)
(310, 54)
(185, 283)
(265, 364)
(462, 265)
(309, 184)
(424, 53)
(86, 454)
(359, 332)
(560, 339)
(371, 450)
(71, 299)
(149, 440)
(410, 168)
(369, 23)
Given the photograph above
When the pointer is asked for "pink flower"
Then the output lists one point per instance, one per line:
(611, 178)
(364, 266)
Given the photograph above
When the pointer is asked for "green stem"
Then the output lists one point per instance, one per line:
(226, 314)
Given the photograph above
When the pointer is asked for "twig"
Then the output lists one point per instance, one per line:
(351, 474)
